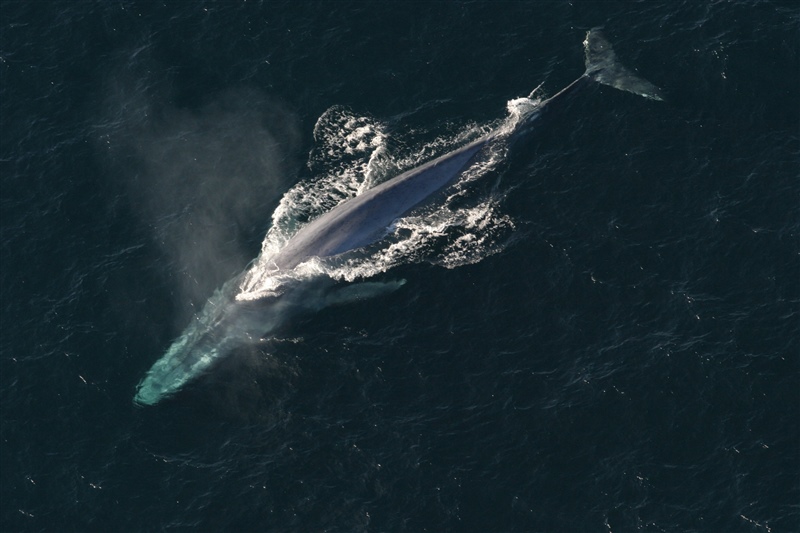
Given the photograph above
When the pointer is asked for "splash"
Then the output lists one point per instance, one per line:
(353, 153)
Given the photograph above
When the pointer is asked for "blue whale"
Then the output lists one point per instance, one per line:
(226, 323)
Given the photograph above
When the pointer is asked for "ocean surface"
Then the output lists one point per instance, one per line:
(596, 332)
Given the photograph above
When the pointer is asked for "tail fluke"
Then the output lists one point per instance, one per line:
(602, 66)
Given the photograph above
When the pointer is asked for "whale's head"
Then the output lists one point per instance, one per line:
(189, 356)
(219, 328)
(225, 324)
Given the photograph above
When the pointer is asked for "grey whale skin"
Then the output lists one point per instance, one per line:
(226, 323)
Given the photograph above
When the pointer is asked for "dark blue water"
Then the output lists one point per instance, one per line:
(627, 360)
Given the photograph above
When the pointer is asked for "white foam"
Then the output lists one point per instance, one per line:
(351, 154)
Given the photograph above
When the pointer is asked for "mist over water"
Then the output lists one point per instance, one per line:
(198, 179)
(597, 331)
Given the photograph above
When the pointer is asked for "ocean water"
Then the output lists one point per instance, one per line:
(597, 332)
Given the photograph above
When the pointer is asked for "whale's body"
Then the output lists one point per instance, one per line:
(362, 220)
(226, 323)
